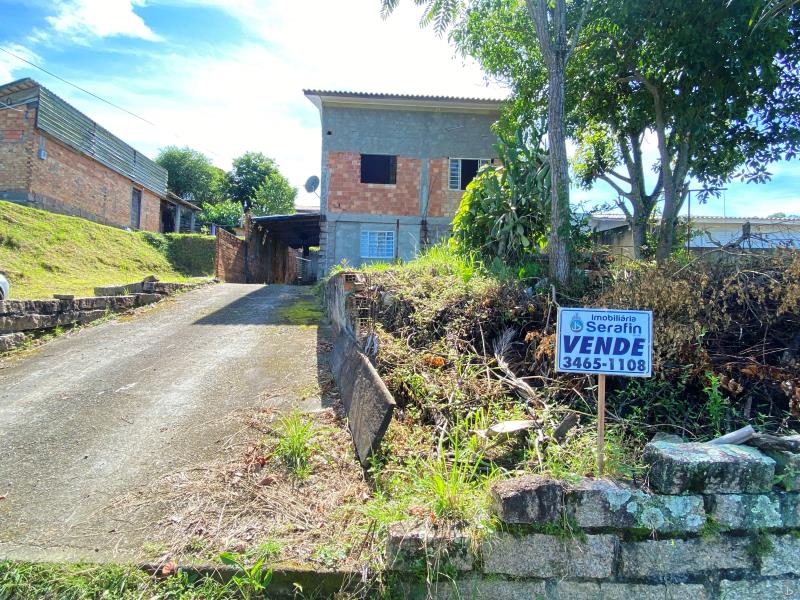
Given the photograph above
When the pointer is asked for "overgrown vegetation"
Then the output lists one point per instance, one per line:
(43, 253)
(462, 349)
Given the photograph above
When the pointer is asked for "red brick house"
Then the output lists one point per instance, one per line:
(394, 169)
(55, 158)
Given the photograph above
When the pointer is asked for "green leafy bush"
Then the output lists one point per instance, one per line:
(504, 213)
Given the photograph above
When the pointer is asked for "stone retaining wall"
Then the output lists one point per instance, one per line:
(367, 402)
(712, 525)
(20, 318)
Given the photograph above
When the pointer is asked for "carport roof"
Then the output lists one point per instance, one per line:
(297, 231)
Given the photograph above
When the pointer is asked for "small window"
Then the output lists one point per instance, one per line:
(463, 171)
(378, 168)
(136, 208)
(377, 244)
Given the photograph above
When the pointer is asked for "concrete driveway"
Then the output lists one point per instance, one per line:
(102, 412)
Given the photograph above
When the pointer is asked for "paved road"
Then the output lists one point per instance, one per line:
(103, 411)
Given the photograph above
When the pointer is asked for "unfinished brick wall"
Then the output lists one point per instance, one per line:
(68, 182)
(442, 202)
(346, 193)
(16, 150)
(230, 257)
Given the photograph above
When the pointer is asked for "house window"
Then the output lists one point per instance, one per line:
(136, 208)
(463, 170)
(378, 168)
(377, 244)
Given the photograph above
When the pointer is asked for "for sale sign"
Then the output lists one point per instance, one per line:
(605, 341)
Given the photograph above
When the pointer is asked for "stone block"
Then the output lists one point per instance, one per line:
(27, 322)
(770, 589)
(494, 589)
(577, 590)
(643, 591)
(122, 289)
(790, 509)
(784, 559)
(9, 341)
(528, 499)
(787, 469)
(410, 546)
(598, 503)
(545, 556)
(705, 468)
(745, 511)
(662, 558)
(142, 299)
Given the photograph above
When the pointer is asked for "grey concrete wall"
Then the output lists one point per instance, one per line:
(423, 134)
(344, 235)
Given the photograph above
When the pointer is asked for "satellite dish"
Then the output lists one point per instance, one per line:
(312, 183)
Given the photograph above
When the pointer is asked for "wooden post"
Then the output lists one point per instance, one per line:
(601, 423)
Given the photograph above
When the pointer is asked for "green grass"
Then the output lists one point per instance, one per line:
(43, 253)
(20, 581)
(295, 443)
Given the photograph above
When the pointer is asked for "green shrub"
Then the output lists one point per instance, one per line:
(190, 254)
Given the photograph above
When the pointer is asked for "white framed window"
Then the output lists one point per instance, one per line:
(463, 170)
(377, 244)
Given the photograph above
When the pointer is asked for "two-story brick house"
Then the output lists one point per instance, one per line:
(55, 158)
(394, 168)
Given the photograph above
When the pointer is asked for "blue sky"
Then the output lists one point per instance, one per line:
(226, 76)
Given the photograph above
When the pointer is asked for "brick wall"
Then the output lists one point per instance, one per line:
(230, 257)
(442, 202)
(346, 193)
(16, 150)
(69, 182)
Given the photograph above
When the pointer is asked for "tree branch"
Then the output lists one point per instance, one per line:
(619, 175)
(574, 41)
(614, 185)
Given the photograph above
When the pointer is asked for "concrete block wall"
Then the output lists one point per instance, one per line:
(420, 201)
(718, 527)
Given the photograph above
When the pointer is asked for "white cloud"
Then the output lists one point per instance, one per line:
(224, 100)
(10, 66)
(84, 20)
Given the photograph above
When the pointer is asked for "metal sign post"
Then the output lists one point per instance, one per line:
(604, 342)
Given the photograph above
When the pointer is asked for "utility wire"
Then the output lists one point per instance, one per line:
(77, 87)
(93, 95)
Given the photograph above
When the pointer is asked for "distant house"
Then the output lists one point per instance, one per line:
(55, 158)
(394, 168)
(707, 233)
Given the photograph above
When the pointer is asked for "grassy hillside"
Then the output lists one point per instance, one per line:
(43, 253)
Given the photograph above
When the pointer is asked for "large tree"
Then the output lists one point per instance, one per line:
(556, 41)
(720, 98)
(275, 196)
(723, 98)
(248, 173)
(191, 175)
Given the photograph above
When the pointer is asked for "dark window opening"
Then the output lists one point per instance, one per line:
(378, 168)
(136, 208)
(469, 168)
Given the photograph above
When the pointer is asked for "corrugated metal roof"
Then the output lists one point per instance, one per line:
(70, 126)
(389, 96)
(706, 218)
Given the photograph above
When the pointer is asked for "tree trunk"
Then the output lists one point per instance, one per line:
(559, 247)
(639, 231)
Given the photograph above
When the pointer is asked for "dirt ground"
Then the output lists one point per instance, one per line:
(101, 414)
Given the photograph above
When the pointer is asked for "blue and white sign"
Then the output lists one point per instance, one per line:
(605, 341)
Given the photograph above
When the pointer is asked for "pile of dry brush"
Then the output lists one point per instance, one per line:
(726, 348)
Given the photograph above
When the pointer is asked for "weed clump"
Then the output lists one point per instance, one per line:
(295, 443)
